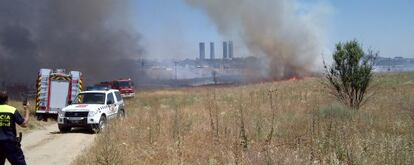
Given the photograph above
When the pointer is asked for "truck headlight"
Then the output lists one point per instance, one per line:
(61, 114)
(92, 113)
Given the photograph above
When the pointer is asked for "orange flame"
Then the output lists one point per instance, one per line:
(294, 78)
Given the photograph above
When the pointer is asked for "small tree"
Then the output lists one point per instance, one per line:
(350, 75)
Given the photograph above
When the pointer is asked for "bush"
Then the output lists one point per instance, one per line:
(335, 111)
(349, 77)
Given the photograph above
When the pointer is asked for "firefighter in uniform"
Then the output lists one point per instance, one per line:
(9, 145)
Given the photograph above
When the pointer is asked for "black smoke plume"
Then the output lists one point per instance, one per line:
(92, 36)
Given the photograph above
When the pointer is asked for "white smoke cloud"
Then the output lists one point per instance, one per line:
(289, 33)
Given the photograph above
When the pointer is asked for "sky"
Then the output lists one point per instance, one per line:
(383, 25)
(173, 29)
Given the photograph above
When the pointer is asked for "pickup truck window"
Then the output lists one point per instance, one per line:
(111, 97)
(118, 96)
(90, 98)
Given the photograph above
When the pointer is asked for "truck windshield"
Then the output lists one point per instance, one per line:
(90, 98)
(122, 84)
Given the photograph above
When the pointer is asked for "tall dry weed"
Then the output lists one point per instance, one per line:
(287, 122)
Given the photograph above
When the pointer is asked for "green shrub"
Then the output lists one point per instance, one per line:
(350, 75)
(336, 111)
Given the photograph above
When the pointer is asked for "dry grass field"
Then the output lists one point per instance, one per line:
(285, 122)
(34, 124)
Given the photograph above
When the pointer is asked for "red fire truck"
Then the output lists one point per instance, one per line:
(125, 86)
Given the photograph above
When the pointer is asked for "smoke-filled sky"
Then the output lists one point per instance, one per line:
(289, 39)
(382, 25)
(105, 38)
(92, 36)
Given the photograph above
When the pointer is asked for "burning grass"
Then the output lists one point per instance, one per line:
(287, 122)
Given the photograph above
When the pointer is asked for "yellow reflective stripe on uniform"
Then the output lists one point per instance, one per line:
(7, 109)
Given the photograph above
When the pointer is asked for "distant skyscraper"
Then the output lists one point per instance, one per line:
(230, 49)
(202, 51)
(212, 50)
(224, 50)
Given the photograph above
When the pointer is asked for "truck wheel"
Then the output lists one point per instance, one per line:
(100, 126)
(39, 117)
(45, 118)
(64, 129)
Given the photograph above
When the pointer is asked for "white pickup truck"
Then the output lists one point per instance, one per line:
(91, 110)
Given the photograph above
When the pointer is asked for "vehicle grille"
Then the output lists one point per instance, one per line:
(76, 122)
(76, 114)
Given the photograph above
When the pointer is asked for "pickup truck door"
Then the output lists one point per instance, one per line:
(112, 108)
(119, 101)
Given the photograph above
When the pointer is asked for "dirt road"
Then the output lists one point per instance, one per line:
(48, 146)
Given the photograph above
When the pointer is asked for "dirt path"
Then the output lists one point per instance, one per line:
(48, 146)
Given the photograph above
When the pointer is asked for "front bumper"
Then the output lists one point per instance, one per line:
(126, 95)
(74, 123)
(87, 126)
(78, 121)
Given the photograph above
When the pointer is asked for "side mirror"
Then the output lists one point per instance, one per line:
(69, 102)
(109, 102)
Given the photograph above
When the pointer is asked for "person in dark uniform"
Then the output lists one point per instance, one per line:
(9, 145)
